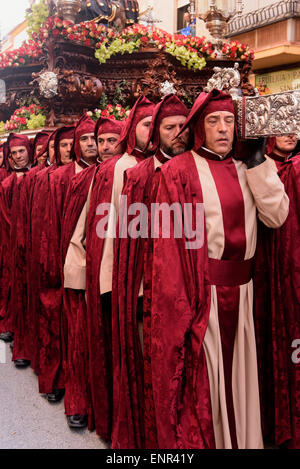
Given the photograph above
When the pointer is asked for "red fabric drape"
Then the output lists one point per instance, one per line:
(74, 305)
(179, 372)
(99, 308)
(277, 317)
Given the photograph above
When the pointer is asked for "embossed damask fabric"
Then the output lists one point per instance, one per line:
(128, 361)
(4, 173)
(201, 366)
(51, 374)
(277, 313)
(99, 312)
(179, 318)
(6, 196)
(23, 324)
(74, 305)
(35, 237)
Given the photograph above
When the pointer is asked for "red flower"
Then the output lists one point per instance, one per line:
(55, 32)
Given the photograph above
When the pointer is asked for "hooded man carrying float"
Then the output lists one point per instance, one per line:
(12, 230)
(77, 402)
(22, 347)
(44, 299)
(107, 188)
(203, 353)
(132, 427)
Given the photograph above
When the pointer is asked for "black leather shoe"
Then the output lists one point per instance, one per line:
(77, 421)
(21, 363)
(6, 336)
(56, 396)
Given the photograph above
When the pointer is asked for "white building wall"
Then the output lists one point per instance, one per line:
(166, 11)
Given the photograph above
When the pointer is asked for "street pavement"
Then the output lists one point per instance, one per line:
(28, 420)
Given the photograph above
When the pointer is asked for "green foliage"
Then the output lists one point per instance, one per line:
(36, 121)
(117, 46)
(37, 18)
(27, 100)
(103, 101)
(119, 96)
(187, 58)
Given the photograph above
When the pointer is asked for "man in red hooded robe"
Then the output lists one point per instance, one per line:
(84, 152)
(46, 297)
(37, 193)
(13, 231)
(281, 149)
(277, 307)
(22, 350)
(77, 402)
(203, 352)
(4, 165)
(38, 143)
(106, 191)
(132, 426)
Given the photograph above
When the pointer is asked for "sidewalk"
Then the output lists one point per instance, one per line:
(28, 420)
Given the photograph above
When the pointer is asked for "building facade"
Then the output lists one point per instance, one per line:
(270, 27)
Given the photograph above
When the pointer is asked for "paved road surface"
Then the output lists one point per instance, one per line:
(28, 420)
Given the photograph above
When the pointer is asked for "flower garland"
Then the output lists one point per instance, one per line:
(192, 52)
(27, 53)
(116, 112)
(24, 118)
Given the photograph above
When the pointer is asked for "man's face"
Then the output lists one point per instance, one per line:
(285, 145)
(168, 129)
(219, 132)
(42, 158)
(107, 146)
(65, 146)
(20, 156)
(142, 132)
(51, 151)
(88, 147)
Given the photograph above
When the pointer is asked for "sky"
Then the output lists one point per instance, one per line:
(12, 14)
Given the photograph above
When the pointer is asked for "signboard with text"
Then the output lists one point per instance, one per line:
(278, 82)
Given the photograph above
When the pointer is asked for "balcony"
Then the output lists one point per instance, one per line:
(273, 32)
(265, 16)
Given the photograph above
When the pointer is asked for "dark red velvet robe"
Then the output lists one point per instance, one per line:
(23, 323)
(134, 419)
(77, 392)
(39, 194)
(180, 382)
(98, 310)
(7, 189)
(4, 173)
(51, 340)
(277, 317)
(128, 384)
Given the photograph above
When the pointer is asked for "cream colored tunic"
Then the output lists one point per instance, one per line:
(75, 263)
(263, 194)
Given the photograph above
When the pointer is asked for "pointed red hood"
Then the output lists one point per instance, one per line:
(169, 106)
(142, 108)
